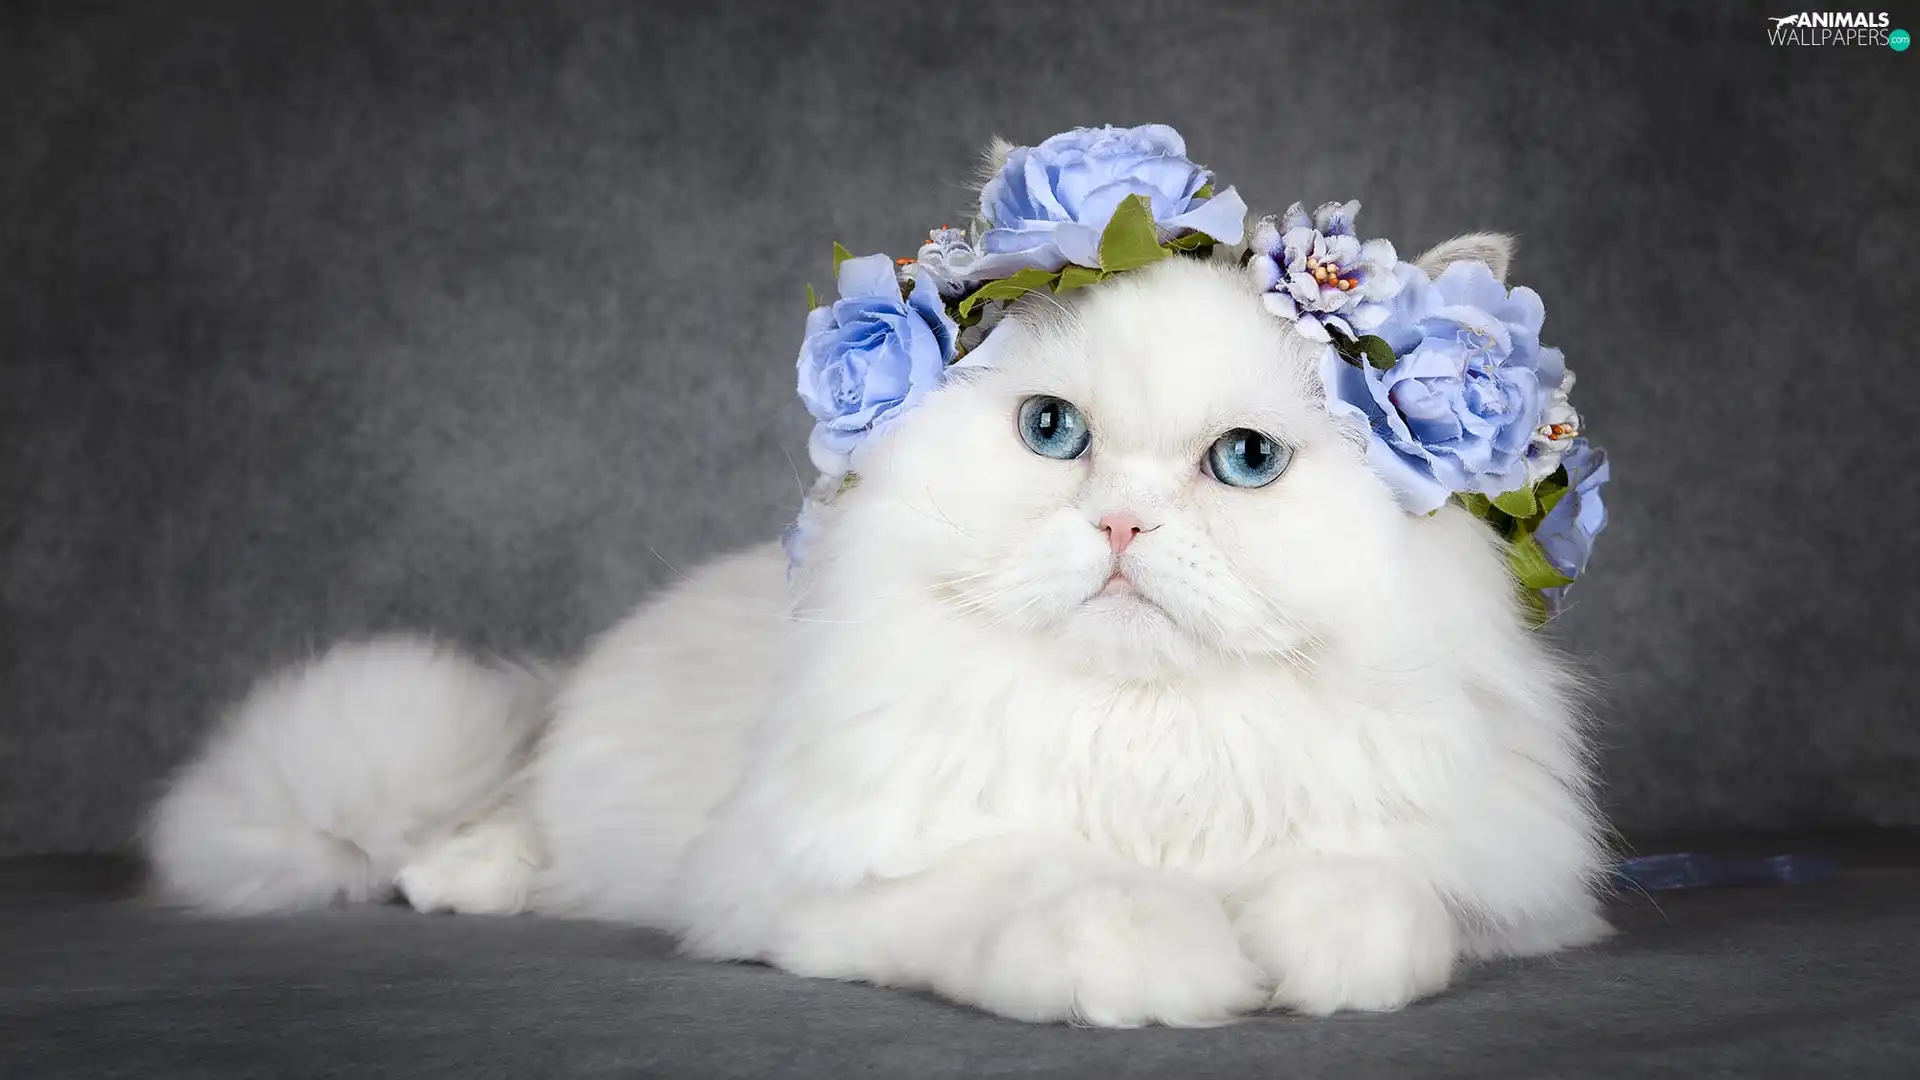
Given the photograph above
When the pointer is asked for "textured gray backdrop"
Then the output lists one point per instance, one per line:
(330, 318)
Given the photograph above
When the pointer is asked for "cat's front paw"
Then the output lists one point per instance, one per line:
(484, 869)
(1347, 933)
(1119, 953)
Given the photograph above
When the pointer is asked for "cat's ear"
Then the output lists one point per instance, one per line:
(991, 161)
(1494, 249)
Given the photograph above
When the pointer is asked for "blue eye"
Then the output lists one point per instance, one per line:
(1247, 459)
(1053, 428)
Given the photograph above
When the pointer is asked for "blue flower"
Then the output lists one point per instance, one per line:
(1458, 409)
(1316, 273)
(870, 356)
(1049, 204)
(1566, 534)
(948, 257)
(797, 539)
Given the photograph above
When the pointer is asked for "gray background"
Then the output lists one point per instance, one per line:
(329, 318)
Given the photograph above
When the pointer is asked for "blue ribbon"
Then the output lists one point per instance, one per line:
(1687, 870)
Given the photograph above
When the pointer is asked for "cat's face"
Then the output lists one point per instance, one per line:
(1144, 477)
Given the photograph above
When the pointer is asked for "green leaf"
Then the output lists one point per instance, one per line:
(1074, 277)
(812, 300)
(1474, 502)
(1205, 192)
(1008, 288)
(1549, 494)
(1519, 503)
(1530, 565)
(1377, 351)
(1347, 348)
(1131, 240)
(1190, 242)
(840, 255)
(1551, 490)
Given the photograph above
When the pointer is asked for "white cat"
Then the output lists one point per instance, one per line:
(1097, 738)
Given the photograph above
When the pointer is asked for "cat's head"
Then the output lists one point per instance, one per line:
(1145, 476)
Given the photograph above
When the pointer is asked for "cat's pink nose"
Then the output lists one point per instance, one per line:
(1121, 528)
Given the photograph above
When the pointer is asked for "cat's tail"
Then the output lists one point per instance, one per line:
(329, 776)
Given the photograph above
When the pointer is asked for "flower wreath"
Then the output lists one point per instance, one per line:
(1447, 374)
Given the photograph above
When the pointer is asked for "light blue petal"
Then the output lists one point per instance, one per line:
(868, 275)
(1524, 307)
(1342, 250)
(1004, 200)
(1006, 240)
(811, 383)
(1261, 269)
(1190, 191)
(1281, 304)
(1377, 286)
(1336, 218)
(1471, 320)
(1592, 515)
(1366, 317)
(1415, 295)
(1157, 139)
(1045, 256)
(925, 299)
(830, 451)
(1402, 333)
(1171, 178)
(1309, 327)
(889, 378)
(1471, 283)
(1552, 366)
(1502, 475)
(1078, 243)
(1266, 238)
(1347, 393)
(1073, 183)
(1039, 188)
(1412, 482)
(1379, 256)
(1431, 415)
(1568, 532)
(1099, 206)
(1223, 217)
(1303, 287)
(1388, 417)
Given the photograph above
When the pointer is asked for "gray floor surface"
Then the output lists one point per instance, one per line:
(1803, 981)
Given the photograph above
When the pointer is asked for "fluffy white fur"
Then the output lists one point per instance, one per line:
(1313, 759)
(331, 779)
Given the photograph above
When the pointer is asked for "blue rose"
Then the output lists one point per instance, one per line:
(1459, 407)
(1049, 204)
(870, 356)
(797, 539)
(1566, 534)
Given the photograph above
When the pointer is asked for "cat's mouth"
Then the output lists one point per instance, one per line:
(1120, 593)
